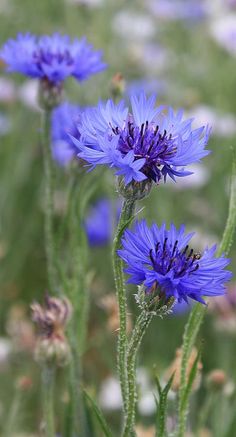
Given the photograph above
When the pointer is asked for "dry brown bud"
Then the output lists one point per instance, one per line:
(117, 86)
(24, 383)
(51, 319)
(217, 378)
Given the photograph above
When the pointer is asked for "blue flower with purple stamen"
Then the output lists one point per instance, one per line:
(163, 262)
(53, 57)
(148, 143)
(64, 121)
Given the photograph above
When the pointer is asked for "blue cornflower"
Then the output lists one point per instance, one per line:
(100, 222)
(191, 11)
(53, 58)
(64, 121)
(162, 261)
(148, 143)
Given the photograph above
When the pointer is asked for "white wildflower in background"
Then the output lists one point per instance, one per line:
(223, 31)
(110, 394)
(131, 25)
(7, 90)
(222, 125)
(5, 350)
(28, 94)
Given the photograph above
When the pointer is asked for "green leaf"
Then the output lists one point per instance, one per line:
(90, 425)
(228, 234)
(190, 334)
(158, 385)
(101, 419)
(162, 405)
(127, 223)
(191, 330)
(191, 379)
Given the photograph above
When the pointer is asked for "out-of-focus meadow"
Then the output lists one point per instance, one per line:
(185, 52)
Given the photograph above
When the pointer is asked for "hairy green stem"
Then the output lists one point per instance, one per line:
(139, 330)
(76, 416)
(79, 296)
(204, 412)
(48, 375)
(197, 313)
(228, 234)
(48, 220)
(126, 214)
(189, 337)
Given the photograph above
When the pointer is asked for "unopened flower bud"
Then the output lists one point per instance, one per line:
(117, 86)
(134, 190)
(217, 379)
(50, 94)
(52, 345)
(154, 302)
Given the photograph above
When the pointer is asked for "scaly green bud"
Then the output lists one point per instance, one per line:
(134, 190)
(50, 94)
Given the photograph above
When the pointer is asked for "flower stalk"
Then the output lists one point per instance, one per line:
(48, 220)
(139, 330)
(48, 375)
(125, 217)
(189, 337)
(77, 289)
(76, 418)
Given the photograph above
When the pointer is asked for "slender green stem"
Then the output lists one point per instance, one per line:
(48, 220)
(79, 296)
(228, 234)
(204, 412)
(126, 214)
(137, 335)
(76, 416)
(48, 375)
(190, 334)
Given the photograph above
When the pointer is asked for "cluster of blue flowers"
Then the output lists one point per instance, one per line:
(53, 57)
(143, 143)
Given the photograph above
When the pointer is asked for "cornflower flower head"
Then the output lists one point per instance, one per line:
(53, 57)
(162, 261)
(147, 144)
(64, 120)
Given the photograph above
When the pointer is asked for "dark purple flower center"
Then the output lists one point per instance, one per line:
(147, 142)
(48, 57)
(167, 258)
